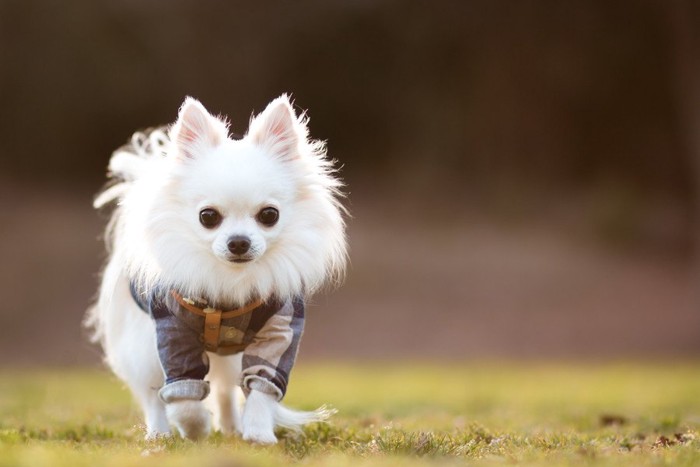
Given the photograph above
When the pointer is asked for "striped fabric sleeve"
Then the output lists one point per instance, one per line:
(269, 358)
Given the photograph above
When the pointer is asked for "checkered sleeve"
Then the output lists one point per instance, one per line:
(269, 358)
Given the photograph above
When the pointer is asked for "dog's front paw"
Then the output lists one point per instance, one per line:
(259, 435)
(258, 422)
(190, 417)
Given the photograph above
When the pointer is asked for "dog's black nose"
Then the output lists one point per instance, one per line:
(238, 244)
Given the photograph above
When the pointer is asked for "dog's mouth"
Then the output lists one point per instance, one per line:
(236, 259)
(241, 260)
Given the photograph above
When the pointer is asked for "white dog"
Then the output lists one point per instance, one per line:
(214, 245)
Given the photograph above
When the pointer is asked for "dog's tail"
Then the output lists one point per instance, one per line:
(294, 419)
(129, 162)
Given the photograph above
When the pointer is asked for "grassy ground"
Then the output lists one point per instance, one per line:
(613, 414)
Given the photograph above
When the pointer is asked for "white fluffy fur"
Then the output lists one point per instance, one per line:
(162, 180)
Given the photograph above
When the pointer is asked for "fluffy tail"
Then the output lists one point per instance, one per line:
(129, 162)
(294, 420)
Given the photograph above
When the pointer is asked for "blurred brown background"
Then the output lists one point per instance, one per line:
(523, 175)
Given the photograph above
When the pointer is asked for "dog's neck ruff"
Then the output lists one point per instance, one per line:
(213, 317)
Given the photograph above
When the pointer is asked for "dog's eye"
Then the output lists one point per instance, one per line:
(209, 218)
(268, 216)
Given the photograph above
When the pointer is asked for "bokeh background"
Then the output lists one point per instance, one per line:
(522, 175)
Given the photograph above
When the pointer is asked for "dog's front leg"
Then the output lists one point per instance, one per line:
(191, 418)
(185, 409)
(259, 418)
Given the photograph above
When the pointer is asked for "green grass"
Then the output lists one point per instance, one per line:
(409, 414)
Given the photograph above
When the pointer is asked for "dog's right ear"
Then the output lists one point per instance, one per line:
(196, 130)
(278, 129)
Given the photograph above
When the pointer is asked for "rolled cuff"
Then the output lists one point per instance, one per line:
(261, 384)
(184, 389)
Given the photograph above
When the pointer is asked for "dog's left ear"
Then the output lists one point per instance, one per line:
(277, 129)
(196, 130)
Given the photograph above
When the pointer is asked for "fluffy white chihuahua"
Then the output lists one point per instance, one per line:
(214, 245)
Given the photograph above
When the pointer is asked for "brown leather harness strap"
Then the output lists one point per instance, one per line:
(224, 314)
(212, 319)
(212, 327)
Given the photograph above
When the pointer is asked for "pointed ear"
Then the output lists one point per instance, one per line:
(277, 129)
(196, 130)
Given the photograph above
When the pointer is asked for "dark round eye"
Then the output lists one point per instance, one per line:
(209, 218)
(268, 216)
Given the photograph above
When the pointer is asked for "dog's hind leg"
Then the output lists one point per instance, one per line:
(129, 341)
(153, 411)
(226, 397)
(140, 369)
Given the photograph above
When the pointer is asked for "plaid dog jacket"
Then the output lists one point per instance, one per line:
(268, 336)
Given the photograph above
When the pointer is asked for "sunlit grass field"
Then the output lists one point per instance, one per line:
(388, 414)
